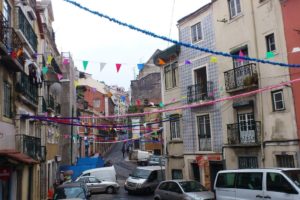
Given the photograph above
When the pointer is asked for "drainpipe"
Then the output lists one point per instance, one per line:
(259, 85)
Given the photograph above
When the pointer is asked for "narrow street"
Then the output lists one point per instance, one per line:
(123, 168)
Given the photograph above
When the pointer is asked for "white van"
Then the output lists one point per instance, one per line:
(102, 173)
(144, 179)
(274, 184)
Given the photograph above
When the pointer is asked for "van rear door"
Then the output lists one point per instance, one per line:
(225, 186)
(249, 185)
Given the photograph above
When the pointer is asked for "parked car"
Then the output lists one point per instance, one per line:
(144, 179)
(156, 160)
(74, 191)
(102, 173)
(248, 184)
(182, 190)
(141, 157)
(95, 185)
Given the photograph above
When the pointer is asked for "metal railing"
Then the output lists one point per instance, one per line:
(241, 77)
(200, 92)
(27, 30)
(247, 133)
(26, 86)
(29, 145)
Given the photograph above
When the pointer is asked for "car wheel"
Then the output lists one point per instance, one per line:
(110, 190)
(156, 198)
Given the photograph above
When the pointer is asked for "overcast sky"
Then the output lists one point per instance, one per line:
(97, 40)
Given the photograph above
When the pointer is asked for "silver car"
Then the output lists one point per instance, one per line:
(95, 185)
(182, 190)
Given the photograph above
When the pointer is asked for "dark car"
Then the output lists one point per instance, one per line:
(182, 189)
(72, 191)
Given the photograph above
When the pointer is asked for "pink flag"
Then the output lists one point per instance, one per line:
(66, 61)
(241, 54)
(118, 67)
(59, 76)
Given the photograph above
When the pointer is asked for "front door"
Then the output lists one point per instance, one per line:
(214, 166)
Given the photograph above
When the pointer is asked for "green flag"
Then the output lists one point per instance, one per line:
(85, 63)
(270, 54)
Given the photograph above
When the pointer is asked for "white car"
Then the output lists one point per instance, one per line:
(95, 185)
(182, 189)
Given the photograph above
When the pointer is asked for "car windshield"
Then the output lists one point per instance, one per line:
(140, 173)
(294, 175)
(192, 186)
(69, 192)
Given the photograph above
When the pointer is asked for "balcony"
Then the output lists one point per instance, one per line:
(27, 88)
(29, 145)
(200, 92)
(27, 31)
(244, 134)
(240, 78)
(9, 41)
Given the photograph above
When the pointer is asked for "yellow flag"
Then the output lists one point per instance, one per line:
(49, 59)
(213, 59)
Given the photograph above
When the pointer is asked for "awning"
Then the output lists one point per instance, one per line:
(18, 156)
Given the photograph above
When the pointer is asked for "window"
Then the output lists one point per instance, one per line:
(277, 183)
(278, 101)
(226, 180)
(252, 181)
(171, 75)
(270, 42)
(285, 161)
(177, 174)
(204, 133)
(243, 51)
(196, 32)
(174, 187)
(234, 8)
(164, 186)
(96, 103)
(248, 162)
(6, 11)
(174, 126)
(6, 99)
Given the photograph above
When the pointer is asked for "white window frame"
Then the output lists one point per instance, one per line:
(173, 76)
(198, 135)
(233, 6)
(176, 124)
(195, 35)
(274, 93)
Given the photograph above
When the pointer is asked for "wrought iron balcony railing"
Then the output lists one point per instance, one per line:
(26, 86)
(244, 133)
(29, 145)
(241, 77)
(8, 37)
(200, 92)
(27, 30)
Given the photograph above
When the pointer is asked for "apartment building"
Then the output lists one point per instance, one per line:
(199, 82)
(171, 97)
(259, 130)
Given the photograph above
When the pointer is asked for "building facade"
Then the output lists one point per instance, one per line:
(259, 130)
(202, 126)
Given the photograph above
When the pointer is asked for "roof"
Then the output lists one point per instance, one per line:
(259, 170)
(18, 156)
(200, 10)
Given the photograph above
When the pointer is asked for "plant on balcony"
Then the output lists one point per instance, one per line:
(251, 80)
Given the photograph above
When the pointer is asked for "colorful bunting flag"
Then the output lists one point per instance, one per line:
(102, 66)
(140, 66)
(59, 76)
(118, 66)
(19, 52)
(270, 54)
(213, 59)
(138, 102)
(241, 54)
(85, 63)
(187, 62)
(13, 55)
(66, 61)
(123, 98)
(161, 62)
(44, 70)
(161, 104)
(49, 59)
